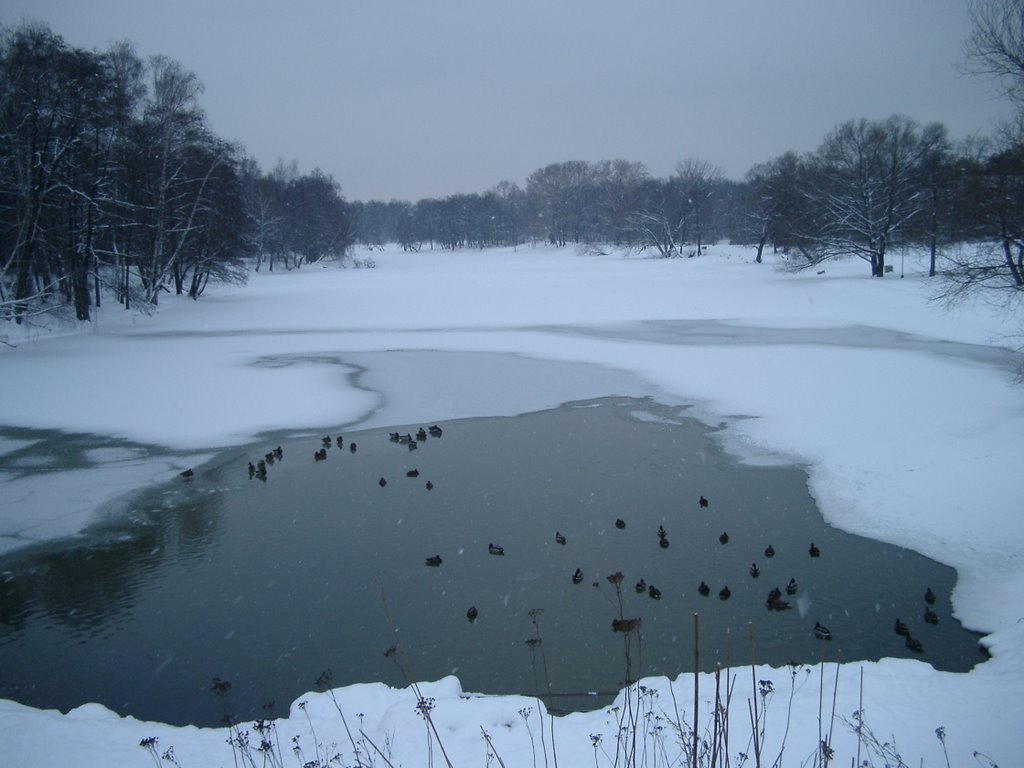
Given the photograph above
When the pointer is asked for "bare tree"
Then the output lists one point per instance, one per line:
(126, 74)
(617, 186)
(995, 47)
(937, 177)
(865, 189)
(560, 195)
(655, 222)
(261, 206)
(172, 186)
(41, 116)
(676, 215)
(776, 204)
(994, 268)
(512, 207)
(697, 181)
(994, 265)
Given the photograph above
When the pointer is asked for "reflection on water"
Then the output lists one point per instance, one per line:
(268, 583)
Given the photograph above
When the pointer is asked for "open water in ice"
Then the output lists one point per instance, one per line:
(268, 583)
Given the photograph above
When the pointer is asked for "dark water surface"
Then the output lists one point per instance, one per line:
(266, 584)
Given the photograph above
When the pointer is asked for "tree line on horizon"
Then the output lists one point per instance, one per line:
(113, 185)
(871, 186)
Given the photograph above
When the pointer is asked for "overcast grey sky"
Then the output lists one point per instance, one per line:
(425, 98)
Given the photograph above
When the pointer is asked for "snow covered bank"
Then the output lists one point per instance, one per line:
(905, 438)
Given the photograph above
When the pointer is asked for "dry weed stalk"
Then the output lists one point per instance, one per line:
(537, 642)
(424, 706)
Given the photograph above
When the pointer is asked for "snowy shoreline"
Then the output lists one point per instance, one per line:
(903, 438)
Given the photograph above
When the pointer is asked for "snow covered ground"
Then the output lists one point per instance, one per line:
(905, 416)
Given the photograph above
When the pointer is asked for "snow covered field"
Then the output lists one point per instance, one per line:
(905, 417)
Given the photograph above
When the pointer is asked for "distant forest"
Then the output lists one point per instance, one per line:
(113, 188)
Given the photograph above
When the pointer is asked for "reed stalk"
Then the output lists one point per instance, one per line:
(718, 704)
(753, 682)
(832, 718)
(422, 704)
(860, 714)
(696, 681)
(490, 745)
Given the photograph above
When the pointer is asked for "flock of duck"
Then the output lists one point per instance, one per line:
(774, 601)
(259, 469)
(930, 617)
